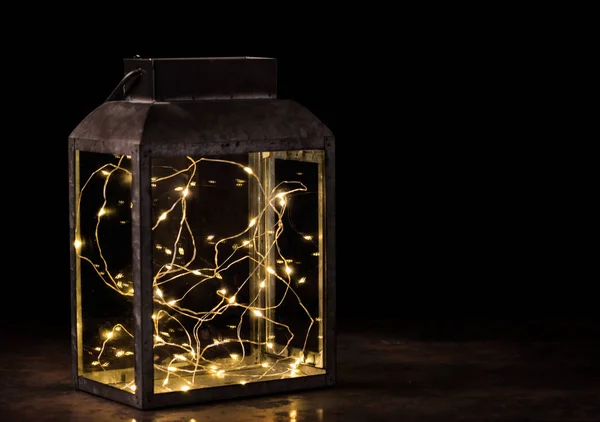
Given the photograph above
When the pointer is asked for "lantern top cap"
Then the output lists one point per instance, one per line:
(202, 78)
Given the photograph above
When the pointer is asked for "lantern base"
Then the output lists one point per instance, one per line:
(123, 379)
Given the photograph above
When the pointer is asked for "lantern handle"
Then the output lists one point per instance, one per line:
(134, 73)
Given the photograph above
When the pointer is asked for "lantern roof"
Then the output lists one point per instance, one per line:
(193, 122)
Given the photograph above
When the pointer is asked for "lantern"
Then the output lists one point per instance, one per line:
(202, 237)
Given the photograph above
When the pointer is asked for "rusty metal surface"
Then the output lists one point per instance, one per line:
(75, 300)
(115, 122)
(164, 125)
(383, 376)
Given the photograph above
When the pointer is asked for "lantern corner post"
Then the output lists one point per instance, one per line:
(330, 261)
(143, 279)
(74, 272)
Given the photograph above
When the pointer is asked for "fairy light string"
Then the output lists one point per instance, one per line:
(189, 359)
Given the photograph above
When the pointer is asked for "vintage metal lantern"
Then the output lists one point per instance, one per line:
(202, 237)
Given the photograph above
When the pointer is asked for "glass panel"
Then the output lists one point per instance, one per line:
(238, 268)
(104, 269)
(300, 247)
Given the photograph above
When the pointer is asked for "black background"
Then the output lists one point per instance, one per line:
(456, 199)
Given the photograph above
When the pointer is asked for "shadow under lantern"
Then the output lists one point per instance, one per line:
(202, 237)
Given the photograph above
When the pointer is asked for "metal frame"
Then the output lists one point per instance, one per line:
(143, 303)
(330, 262)
(81, 382)
(74, 267)
(142, 154)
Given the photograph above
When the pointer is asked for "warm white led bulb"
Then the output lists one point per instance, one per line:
(262, 284)
(185, 192)
(159, 293)
(248, 170)
(252, 222)
(172, 302)
(257, 312)
(288, 270)
(302, 280)
(77, 244)
(232, 299)
(163, 216)
(270, 270)
(101, 212)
